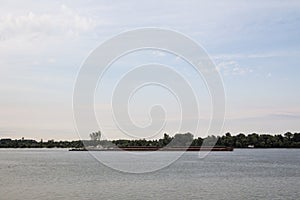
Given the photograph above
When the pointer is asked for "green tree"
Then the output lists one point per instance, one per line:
(288, 135)
(95, 136)
(183, 139)
(296, 137)
(241, 140)
(253, 139)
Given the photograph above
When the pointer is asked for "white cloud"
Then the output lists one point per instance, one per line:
(159, 53)
(63, 22)
(232, 68)
(270, 54)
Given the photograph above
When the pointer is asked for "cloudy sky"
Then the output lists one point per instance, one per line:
(255, 46)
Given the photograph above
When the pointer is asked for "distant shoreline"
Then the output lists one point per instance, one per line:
(263, 141)
(82, 150)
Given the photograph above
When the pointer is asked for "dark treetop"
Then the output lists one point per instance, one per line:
(287, 140)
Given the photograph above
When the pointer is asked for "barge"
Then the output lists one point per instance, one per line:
(136, 148)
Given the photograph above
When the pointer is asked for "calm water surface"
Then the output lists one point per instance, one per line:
(59, 174)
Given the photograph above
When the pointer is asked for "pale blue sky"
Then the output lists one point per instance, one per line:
(255, 45)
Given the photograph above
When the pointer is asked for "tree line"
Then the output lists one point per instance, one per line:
(287, 140)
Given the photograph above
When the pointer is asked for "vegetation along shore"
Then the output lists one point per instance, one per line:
(287, 140)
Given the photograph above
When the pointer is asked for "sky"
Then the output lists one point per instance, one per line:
(255, 46)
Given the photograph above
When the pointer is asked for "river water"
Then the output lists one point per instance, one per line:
(59, 174)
